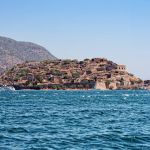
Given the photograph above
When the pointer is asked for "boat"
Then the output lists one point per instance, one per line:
(7, 88)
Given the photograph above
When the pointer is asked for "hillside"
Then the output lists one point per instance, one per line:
(14, 52)
(96, 73)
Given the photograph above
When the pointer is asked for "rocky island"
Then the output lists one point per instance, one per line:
(96, 73)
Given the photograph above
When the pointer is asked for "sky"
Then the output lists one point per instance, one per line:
(118, 30)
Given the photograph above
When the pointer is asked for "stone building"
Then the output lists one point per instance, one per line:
(121, 68)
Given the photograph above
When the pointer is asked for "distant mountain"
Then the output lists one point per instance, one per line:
(14, 52)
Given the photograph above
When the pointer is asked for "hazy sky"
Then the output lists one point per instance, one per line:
(116, 29)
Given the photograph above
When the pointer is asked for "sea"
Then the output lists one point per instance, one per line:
(75, 120)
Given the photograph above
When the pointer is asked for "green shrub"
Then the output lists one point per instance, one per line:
(56, 72)
(23, 72)
(56, 87)
(16, 78)
(66, 62)
(75, 75)
(38, 78)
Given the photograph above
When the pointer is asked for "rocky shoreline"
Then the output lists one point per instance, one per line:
(15, 87)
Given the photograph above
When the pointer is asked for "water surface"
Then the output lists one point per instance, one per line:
(75, 120)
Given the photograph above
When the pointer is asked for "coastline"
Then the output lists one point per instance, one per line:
(80, 89)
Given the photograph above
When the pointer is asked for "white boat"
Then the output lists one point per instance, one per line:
(7, 88)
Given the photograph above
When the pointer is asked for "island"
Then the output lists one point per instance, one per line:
(95, 73)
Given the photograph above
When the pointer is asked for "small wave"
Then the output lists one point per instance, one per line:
(124, 98)
(2, 136)
(126, 95)
(17, 130)
(107, 95)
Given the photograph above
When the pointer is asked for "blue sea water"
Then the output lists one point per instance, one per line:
(75, 120)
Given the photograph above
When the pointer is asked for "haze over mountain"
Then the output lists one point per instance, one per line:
(14, 52)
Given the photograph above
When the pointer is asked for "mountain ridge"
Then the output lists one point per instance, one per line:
(14, 52)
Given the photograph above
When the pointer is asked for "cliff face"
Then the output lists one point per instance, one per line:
(14, 52)
(72, 74)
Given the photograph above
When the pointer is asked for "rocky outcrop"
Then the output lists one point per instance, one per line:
(113, 86)
(100, 86)
(147, 84)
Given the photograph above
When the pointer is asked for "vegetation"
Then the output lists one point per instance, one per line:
(38, 78)
(75, 74)
(23, 72)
